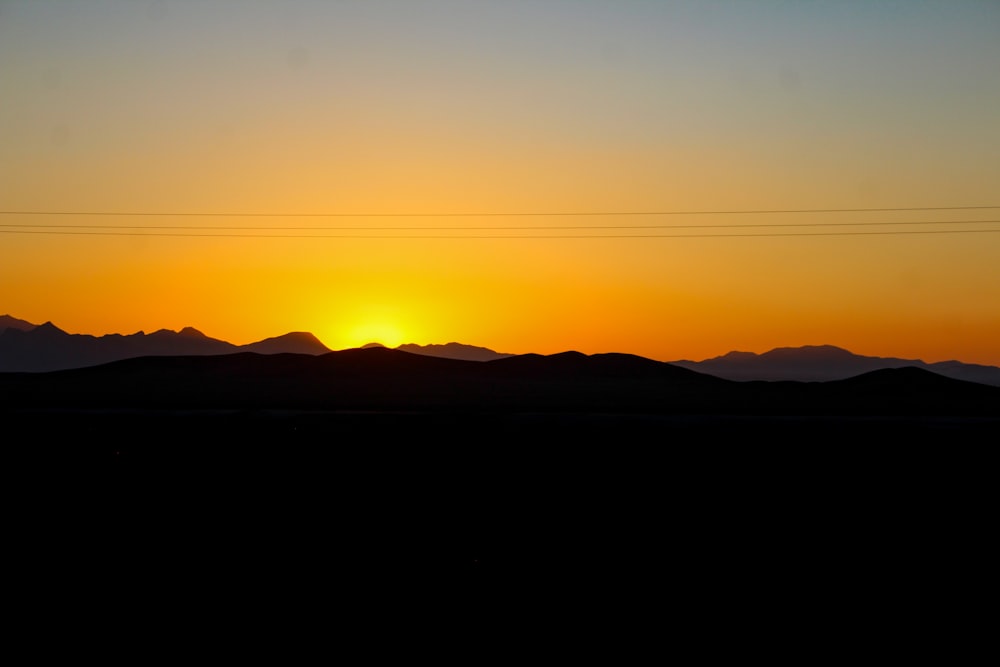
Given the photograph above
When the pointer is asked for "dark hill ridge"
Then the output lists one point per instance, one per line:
(26, 347)
(567, 365)
(454, 351)
(297, 342)
(382, 379)
(371, 378)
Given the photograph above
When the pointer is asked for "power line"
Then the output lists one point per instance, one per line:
(207, 214)
(503, 236)
(505, 227)
(463, 232)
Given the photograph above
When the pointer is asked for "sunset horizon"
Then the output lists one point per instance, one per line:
(369, 342)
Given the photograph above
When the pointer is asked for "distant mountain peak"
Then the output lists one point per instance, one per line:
(9, 322)
(46, 347)
(47, 328)
(299, 334)
(821, 363)
(812, 351)
(297, 342)
(186, 332)
(736, 354)
(453, 350)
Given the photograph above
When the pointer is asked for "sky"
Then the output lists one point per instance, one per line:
(665, 178)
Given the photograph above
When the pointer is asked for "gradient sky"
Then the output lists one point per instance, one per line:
(416, 109)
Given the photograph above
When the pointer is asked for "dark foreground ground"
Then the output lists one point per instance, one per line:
(285, 501)
(828, 529)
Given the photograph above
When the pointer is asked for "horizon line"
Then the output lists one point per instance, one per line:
(375, 343)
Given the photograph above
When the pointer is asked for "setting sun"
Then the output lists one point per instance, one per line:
(368, 318)
(374, 332)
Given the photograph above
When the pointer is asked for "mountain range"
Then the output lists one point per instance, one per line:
(27, 347)
(347, 398)
(824, 363)
(46, 347)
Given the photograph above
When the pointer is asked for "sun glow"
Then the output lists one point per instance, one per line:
(375, 332)
(366, 316)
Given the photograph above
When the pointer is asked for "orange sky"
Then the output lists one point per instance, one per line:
(463, 107)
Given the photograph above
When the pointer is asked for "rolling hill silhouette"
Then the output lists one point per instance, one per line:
(26, 347)
(379, 379)
(454, 351)
(166, 379)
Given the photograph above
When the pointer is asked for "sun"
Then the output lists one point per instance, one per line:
(386, 333)
(358, 323)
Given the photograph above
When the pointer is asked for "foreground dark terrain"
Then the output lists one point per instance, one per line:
(566, 475)
(282, 405)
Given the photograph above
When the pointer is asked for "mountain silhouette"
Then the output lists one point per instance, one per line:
(27, 347)
(809, 363)
(297, 342)
(46, 347)
(383, 379)
(822, 363)
(454, 351)
(8, 322)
